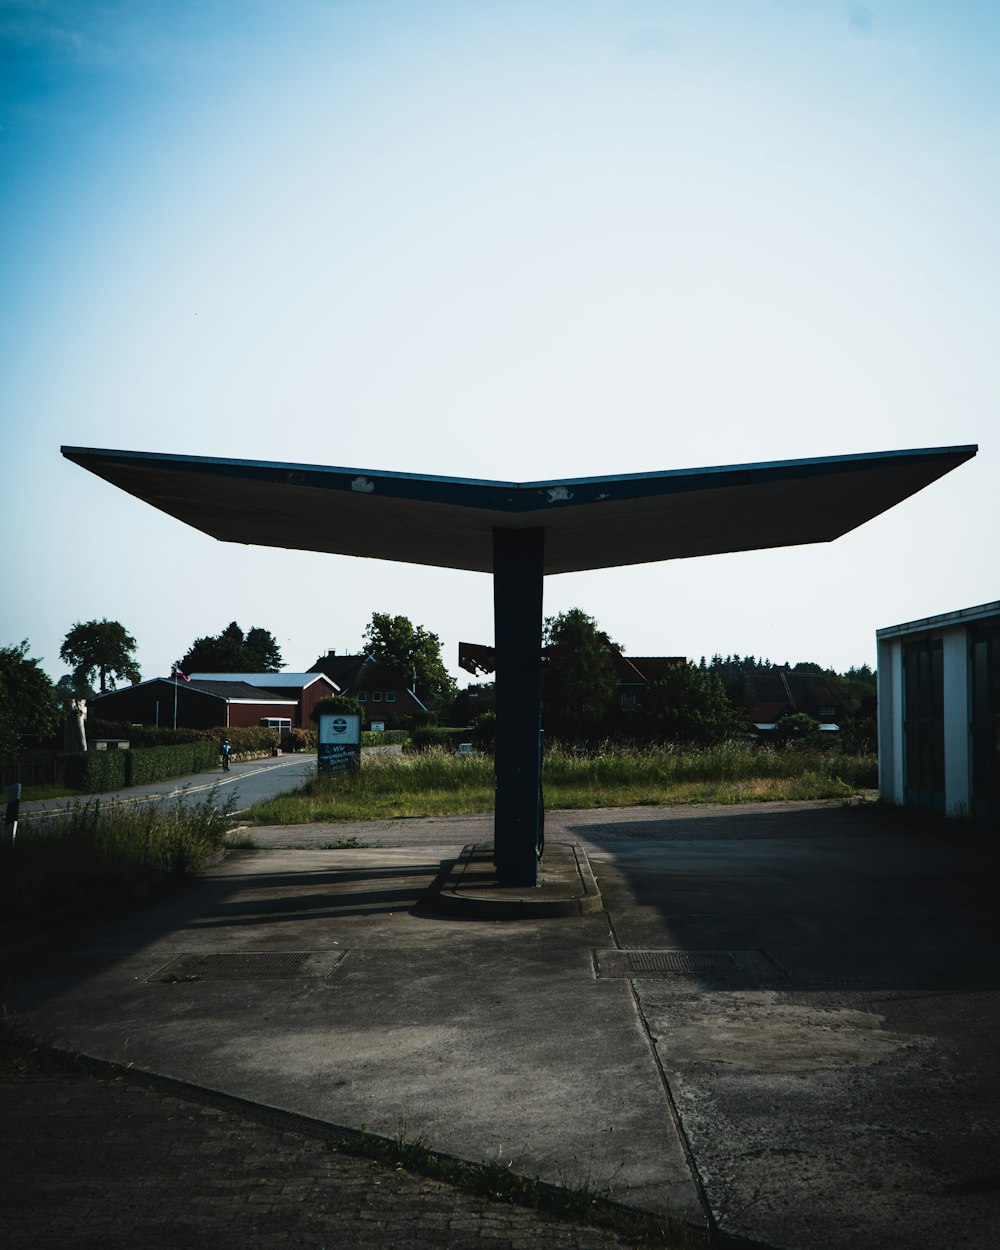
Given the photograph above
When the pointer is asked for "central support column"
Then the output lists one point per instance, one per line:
(517, 608)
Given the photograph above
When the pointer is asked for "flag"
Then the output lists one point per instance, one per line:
(178, 673)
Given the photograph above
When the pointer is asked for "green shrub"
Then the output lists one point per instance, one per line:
(298, 739)
(244, 740)
(94, 771)
(423, 737)
(140, 735)
(484, 731)
(799, 730)
(336, 703)
(150, 764)
(384, 737)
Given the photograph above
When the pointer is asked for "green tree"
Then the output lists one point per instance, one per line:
(689, 705)
(104, 648)
(798, 729)
(414, 653)
(579, 680)
(232, 651)
(263, 644)
(855, 689)
(336, 703)
(69, 688)
(28, 700)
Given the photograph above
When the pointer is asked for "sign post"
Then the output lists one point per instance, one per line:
(339, 740)
(10, 816)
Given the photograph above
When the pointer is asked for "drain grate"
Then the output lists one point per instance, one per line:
(249, 965)
(681, 961)
(731, 966)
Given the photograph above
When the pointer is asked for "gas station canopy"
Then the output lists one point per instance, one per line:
(589, 523)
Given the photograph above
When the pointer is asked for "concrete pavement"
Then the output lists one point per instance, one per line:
(787, 1009)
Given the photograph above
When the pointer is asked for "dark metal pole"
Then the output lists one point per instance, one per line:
(517, 608)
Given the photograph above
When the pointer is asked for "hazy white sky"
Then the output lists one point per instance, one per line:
(517, 240)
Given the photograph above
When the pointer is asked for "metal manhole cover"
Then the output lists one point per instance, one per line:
(249, 965)
(731, 965)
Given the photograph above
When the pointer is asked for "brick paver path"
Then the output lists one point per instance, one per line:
(108, 1164)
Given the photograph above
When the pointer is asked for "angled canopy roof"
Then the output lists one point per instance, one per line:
(589, 523)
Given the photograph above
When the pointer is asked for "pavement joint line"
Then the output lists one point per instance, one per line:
(710, 1221)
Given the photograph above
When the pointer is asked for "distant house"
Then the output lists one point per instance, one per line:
(768, 695)
(167, 701)
(636, 673)
(384, 693)
(210, 700)
(303, 688)
(472, 702)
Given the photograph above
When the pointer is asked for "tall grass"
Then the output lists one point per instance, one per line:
(427, 783)
(436, 783)
(96, 847)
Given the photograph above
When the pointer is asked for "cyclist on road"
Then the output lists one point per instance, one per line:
(225, 751)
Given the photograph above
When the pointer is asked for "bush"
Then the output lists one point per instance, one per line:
(422, 738)
(384, 737)
(94, 771)
(798, 729)
(149, 764)
(298, 740)
(244, 740)
(140, 735)
(336, 703)
(484, 731)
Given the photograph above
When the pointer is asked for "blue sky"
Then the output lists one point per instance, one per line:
(509, 241)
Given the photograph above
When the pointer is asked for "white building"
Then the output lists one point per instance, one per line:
(939, 713)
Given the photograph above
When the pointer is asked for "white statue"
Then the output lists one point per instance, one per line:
(76, 725)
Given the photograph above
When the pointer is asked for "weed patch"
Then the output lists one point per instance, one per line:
(96, 847)
(501, 1181)
(437, 783)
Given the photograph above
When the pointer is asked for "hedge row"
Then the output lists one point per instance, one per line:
(437, 736)
(96, 771)
(243, 740)
(384, 737)
(149, 764)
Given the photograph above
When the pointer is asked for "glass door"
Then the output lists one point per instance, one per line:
(985, 664)
(923, 725)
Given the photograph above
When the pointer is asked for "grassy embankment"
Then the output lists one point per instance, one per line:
(98, 847)
(435, 783)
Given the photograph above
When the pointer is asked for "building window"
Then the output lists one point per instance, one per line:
(390, 696)
(827, 710)
(628, 700)
(361, 696)
(376, 696)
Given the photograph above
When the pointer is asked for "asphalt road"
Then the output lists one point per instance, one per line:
(250, 782)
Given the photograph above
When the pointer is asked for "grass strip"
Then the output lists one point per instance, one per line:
(436, 783)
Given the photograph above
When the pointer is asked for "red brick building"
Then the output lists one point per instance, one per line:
(210, 700)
